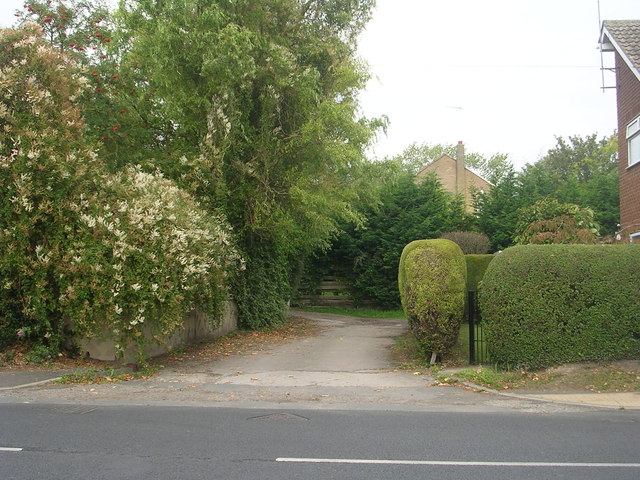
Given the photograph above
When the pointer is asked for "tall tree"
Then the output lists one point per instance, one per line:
(261, 102)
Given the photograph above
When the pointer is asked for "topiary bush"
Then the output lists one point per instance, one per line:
(432, 289)
(471, 243)
(476, 267)
(549, 304)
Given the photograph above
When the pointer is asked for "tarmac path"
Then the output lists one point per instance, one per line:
(348, 365)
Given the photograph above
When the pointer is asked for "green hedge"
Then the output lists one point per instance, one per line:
(549, 304)
(476, 268)
(432, 289)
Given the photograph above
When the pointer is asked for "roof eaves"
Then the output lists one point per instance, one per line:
(612, 42)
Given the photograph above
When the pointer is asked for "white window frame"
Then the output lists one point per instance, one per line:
(634, 237)
(633, 133)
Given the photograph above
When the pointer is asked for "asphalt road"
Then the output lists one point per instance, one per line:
(103, 442)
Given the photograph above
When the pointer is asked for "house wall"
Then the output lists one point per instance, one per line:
(474, 183)
(628, 95)
(445, 168)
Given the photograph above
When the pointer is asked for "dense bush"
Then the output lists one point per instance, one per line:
(368, 258)
(471, 243)
(557, 230)
(548, 304)
(476, 268)
(549, 221)
(432, 287)
(262, 290)
(83, 249)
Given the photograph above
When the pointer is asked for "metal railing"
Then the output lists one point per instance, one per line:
(477, 342)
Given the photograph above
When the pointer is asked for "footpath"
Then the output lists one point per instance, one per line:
(348, 364)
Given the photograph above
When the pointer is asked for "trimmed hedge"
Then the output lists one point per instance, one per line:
(432, 289)
(476, 268)
(549, 304)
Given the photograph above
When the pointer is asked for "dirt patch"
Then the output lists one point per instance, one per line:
(611, 377)
(618, 376)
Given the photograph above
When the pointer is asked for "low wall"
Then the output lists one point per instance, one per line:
(196, 328)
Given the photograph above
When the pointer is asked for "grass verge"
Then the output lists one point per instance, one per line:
(109, 375)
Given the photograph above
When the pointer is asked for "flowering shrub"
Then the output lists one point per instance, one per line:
(143, 253)
(122, 254)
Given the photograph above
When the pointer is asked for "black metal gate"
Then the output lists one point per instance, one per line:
(477, 343)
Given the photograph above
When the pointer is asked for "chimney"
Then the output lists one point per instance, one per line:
(460, 173)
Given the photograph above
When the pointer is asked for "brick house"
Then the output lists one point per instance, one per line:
(623, 38)
(455, 176)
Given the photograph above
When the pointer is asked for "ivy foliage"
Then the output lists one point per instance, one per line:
(549, 304)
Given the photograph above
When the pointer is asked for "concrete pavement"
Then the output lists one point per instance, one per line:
(347, 363)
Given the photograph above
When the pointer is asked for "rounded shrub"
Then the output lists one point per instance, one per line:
(548, 304)
(471, 243)
(432, 289)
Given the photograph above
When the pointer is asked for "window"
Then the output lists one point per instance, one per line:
(634, 237)
(633, 141)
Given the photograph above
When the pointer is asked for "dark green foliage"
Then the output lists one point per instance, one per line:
(368, 258)
(476, 268)
(496, 211)
(262, 290)
(582, 171)
(431, 280)
(549, 304)
(471, 243)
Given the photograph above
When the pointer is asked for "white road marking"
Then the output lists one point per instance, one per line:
(458, 464)
(10, 449)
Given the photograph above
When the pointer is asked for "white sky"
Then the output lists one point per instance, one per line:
(500, 75)
(504, 76)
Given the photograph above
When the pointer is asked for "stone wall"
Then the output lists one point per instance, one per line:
(196, 328)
